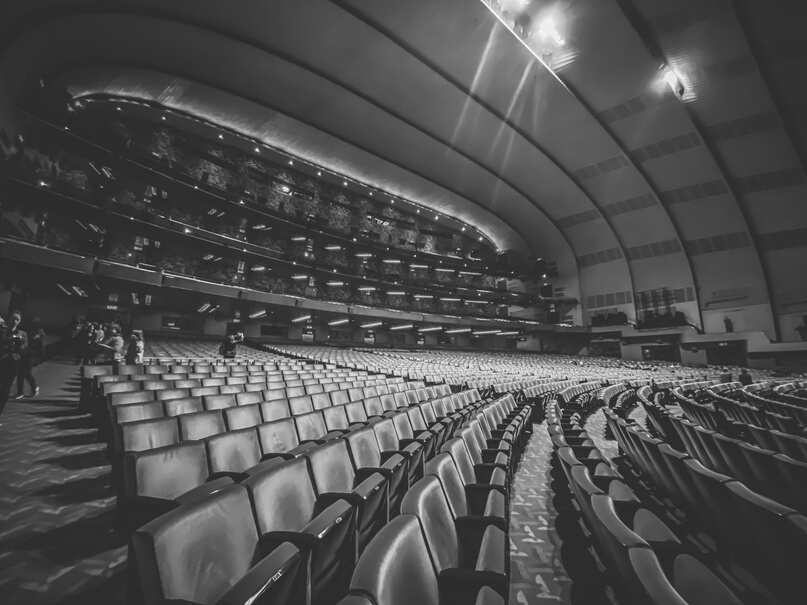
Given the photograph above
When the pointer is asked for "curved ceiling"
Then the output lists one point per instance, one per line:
(596, 164)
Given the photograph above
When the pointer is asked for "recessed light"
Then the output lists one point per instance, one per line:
(319, 173)
(257, 150)
(221, 136)
(344, 183)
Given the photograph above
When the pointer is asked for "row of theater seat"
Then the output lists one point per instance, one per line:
(758, 532)
(232, 452)
(642, 558)
(295, 527)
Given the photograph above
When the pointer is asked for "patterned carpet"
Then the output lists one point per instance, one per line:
(56, 541)
(537, 571)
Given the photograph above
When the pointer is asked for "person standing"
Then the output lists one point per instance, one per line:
(13, 345)
(134, 353)
(31, 358)
(114, 346)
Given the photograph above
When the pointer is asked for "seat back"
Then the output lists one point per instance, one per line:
(201, 425)
(278, 436)
(456, 447)
(284, 497)
(311, 426)
(242, 417)
(233, 451)
(331, 467)
(442, 466)
(219, 402)
(396, 568)
(300, 405)
(386, 436)
(363, 448)
(251, 398)
(184, 405)
(137, 411)
(165, 472)
(148, 434)
(180, 557)
(428, 503)
(335, 418)
(320, 401)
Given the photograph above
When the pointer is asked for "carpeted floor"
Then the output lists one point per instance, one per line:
(56, 538)
(537, 573)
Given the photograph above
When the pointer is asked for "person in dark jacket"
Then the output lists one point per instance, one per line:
(13, 346)
(30, 359)
(745, 378)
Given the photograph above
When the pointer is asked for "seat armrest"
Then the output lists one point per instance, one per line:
(260, 579)
(368, 471)
(369, 486)
(497, 457)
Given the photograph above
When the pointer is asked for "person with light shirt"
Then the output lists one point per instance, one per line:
(13, 346)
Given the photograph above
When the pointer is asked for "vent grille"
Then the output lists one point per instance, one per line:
(741, 127)
(666, 147)
(578, 219)
(718, 243)
(689, 16)
(779, 240)
(664, 248)
(778, 179)
(598, 301)
(651, 299)
(597, 258)
(632, 107)
(630, 205)
(698, 191)
(603, 167)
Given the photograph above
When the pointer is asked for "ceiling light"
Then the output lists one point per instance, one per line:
(257, 314)
(291, 163)
(391, 261)
(513, 333)
(257, 150)
(366, 289)
(301, 318)
(299, 238)
(212, 309)
(221, 136)
(299, 276)
(403, 327)
(419, 296)
(396, 293)
(673, 81)
(364, 254)
(338, 322)
(374, 324)
(434, 329)
(65, 290)
(319, 173)
(550, 30)
(450, 299)
(484, 332)
(333, 247)
(458, 331)
(203, 308)
(344, 183)
(335, 284)
(463, 229)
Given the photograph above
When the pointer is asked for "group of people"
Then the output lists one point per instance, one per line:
(101, 344)
(20, 352)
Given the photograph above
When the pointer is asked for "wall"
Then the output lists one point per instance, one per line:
(8, 118)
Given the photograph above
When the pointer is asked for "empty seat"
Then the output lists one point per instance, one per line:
(242, 417)
(311, 427)
(219, 402)
(366, 456)
(160, 479)
(251, 398)
(300, 405)
(230, 454)
(465, 559)
(180, 558)
(287, 509)
(389, 444)
(396, 569)
(201, 425)
(335, 478)
(146, 434)
(279, 439)
(275, 410)
(184, 405)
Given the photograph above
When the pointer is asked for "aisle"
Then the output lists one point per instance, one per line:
(56, 505)
(537, 574)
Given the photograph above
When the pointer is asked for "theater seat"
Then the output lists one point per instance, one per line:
(160, 479)
(396, 570)
(488, 506)
(201, 425)
(279, 439)
(287, 510)
(180, 558)
(367, 459)
(335, 479)
(466, 557)
(230, 454)
(481, 476)
(389, 444)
